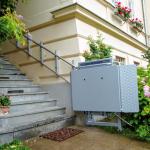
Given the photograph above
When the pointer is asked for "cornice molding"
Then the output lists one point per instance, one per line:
(89, 17)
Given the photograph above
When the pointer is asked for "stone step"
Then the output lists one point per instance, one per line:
(2, 57)
(9, 71)
(7, 66)
(4, 61)
(21, 82)
(19, 89)
(31, 105)
(32, 111)
(28, 96)
(13, 76)
(35, 129)
(25, 117)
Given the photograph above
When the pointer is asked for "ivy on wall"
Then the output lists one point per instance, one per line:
(7, 4)
(147, 55)
(11, 24)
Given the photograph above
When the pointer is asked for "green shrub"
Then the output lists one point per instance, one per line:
(147, 55)
(98, 50)
(141, 120)
(5, 101)
(11, 27)
(5, 4)
(15, 145)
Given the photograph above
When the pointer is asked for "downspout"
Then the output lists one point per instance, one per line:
(144, 21)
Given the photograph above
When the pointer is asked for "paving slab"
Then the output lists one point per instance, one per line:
(91, 139)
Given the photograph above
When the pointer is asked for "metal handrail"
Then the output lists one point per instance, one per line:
(41, 61)
(49, 51)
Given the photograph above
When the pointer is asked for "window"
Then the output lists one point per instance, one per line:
(136, 63)
(120, 60)
(131, 5)
(113, 2)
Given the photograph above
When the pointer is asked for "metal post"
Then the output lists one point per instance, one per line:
(17, 44)
(41, 53)
(29, 44)
(119, 122)
(56, 62)
(73, 63)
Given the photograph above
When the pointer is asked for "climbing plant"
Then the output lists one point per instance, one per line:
(11, 24)
(98, 49)
(5, 4)
(147, 55)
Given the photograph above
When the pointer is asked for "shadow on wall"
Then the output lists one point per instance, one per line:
(62, 93)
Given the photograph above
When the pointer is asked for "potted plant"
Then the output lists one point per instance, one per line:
(123, 12)
(4, 104)
(137, 24)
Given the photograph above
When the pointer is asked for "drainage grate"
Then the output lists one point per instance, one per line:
(16, 91)
(62, 134)
(4, 78)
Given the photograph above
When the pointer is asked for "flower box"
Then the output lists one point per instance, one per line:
(123, 12)
(4, 110)
(137, 25)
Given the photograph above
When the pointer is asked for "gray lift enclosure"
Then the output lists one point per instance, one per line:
(108, 88)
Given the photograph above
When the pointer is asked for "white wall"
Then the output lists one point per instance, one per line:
(120, 48)
(36, 12)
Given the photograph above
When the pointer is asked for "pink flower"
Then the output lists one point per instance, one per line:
(119, 3)
(120, 13)
(147, 94)
(146, 88)
(20, 17)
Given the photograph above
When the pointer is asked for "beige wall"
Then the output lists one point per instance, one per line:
(147, 12)
(67, 33)
(120, 48)
(61, 37)
(36, 12)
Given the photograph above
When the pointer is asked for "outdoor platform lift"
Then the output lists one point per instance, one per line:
(101, 87)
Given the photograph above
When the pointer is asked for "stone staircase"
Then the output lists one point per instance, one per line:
(32, 111)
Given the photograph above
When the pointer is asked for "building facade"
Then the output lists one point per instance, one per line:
(63, 26)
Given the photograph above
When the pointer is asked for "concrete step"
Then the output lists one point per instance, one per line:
(35, 129)
(13, 76)
(31, 105)
(4, 61)
(7, 66)
(21, 82)
(2, 57)
(18, 97)
(9, 71)
(25, 117)
(19, 89)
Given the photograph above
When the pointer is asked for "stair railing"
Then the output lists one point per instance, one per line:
(28, 50)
